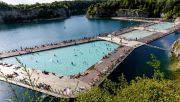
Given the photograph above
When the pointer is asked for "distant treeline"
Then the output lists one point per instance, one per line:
(133, 8)
(24, 12)
(92, 8)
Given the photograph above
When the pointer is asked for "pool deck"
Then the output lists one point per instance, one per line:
(98, 72)
(159, 34)
(122, 41)
(45, 47)
(82, 81)
(57, 83)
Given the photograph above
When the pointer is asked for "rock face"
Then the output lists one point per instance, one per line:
(176, 48)
(15, 15)
(177, 20)
(118, 13)
(131, 13)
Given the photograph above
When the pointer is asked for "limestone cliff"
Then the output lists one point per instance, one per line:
(118, 13)
(176, 49)
(15, 15)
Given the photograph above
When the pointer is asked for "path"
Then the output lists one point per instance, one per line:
(122, 41)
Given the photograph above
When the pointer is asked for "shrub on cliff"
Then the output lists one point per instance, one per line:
(24, 12)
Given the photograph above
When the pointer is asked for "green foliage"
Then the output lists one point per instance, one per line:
(149, 90)
(94, 95)
(139, 90)
(91, 10)
(122, 81)
(4, 6)
(54, 5)
(169, 8)
(112, 87)
(38, 11)
(154, 63)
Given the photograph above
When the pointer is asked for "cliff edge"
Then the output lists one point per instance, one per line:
(176, 49)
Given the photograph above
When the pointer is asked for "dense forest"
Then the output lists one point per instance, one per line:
(24, 12)
(135, 8)
(92, 8)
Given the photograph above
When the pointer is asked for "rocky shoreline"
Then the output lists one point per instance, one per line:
(102, 13)
(15, 15)
(175, 58)
(42, 11)
(176, 49)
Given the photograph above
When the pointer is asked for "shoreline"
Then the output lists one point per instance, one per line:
(140, 19)
(36, 20)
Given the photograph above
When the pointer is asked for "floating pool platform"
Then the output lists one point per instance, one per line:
(69, 85)
(136, 34)
(65, 61)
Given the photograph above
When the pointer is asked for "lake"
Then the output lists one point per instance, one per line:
(15, 35)
(20, 35)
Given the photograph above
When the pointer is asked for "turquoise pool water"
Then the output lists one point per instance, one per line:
(136, 34)
(162, 26)
(68, 60)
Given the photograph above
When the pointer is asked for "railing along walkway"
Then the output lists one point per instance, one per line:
(156, 47)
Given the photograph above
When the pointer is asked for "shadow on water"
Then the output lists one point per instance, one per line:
(6, 93)
(136, 63)
(15, 25)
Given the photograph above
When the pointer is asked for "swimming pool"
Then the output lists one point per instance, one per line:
(136, 34)
(162, 26)
(67, 60)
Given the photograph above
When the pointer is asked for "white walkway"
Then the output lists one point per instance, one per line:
(122, 41)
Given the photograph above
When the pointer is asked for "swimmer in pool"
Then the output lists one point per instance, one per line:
(85, 63)
(55, 55)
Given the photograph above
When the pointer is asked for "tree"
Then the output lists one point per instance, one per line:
(155, 64)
